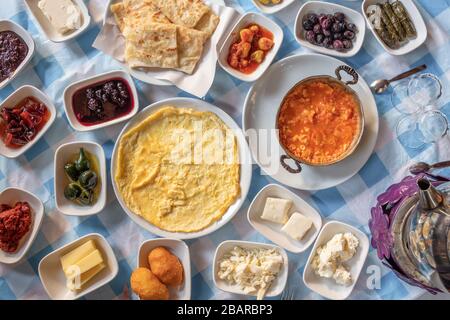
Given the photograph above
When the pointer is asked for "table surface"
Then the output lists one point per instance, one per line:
(55, 65)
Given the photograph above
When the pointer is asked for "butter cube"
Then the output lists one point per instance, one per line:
(276, 210)
(77, 254)
(85, 264)
(297, 226)
(85, 277)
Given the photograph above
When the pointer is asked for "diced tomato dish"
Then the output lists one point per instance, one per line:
(250, 50)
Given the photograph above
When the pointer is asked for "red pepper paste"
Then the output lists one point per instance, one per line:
(14, 224)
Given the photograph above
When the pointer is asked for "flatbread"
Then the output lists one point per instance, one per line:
(208, 23)
(186, 13)
(190, 48)
(119, 12)
(151, 45)
(135, 12)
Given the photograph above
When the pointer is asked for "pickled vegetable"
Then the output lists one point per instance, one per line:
(84, 182)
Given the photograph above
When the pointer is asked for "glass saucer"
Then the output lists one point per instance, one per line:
(425, 89)
(409, 133)
(434, 125)
(400, 99)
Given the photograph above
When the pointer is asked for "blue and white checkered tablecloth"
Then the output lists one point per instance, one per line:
(55, 65)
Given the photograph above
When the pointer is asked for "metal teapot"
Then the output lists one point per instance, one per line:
(411, 230)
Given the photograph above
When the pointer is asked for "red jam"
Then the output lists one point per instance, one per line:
(20, 124)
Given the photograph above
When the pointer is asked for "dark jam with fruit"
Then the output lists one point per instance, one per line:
(13, 51)
(102, 102)
(21, 123)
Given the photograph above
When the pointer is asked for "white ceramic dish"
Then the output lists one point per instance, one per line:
(8, 25)
(232, 37)
(54, 280)
(11, 101)
(259, 116)
(10, 196)
(47, 27)
(328, 288)
(330, 8)
(64, 154)
(245, 169)
(269, 9)
(178, 248)
(271, 230)
(138, 74)
(278, 284)
(416, 18)
(72, 88)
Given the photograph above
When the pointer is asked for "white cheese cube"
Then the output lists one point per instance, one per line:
(297, 226)
(276, 210)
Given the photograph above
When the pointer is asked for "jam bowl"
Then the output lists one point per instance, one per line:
(352, 120)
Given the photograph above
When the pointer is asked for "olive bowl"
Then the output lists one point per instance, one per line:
(65, 154)
(357, 138)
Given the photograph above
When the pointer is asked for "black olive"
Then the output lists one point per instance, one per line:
(88, 179)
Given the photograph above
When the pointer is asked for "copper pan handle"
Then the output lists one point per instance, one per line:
(288, 168)
(350, 71)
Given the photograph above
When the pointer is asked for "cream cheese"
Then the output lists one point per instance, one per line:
(63, 15)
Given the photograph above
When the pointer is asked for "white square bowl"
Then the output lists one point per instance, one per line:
(244, 21)
(330, 8)
(47, 27)
(53, 278)
(271, 230)
(270, 9)
(179, 249)
(11, 101)
(64, 154)
(416, 19)
(8, 25)
(278, 284)
(10, 196)
(328, 288)
(72, 88)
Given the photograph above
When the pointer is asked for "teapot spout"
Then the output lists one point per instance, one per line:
(429, 197)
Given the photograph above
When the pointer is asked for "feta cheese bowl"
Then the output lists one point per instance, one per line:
(336, 278)
(60, 20)
(254, 265)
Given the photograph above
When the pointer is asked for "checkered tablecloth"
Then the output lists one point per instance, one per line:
(55, 65)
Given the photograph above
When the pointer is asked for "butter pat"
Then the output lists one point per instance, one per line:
(77, 254)
(276, 210)
(297, 226)
(63, 15)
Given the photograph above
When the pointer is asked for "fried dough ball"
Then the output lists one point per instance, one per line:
(166, 266)
(147, 286)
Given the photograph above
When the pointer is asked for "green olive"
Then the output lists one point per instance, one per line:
(71, 171)
(86, 197)
(88, 179)
(82, 163)
(72, 191)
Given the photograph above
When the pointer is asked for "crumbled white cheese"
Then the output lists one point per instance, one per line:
(253, 270)
(328, 260)
(63, 15)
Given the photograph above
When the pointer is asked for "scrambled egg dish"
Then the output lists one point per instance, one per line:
(179, 169)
